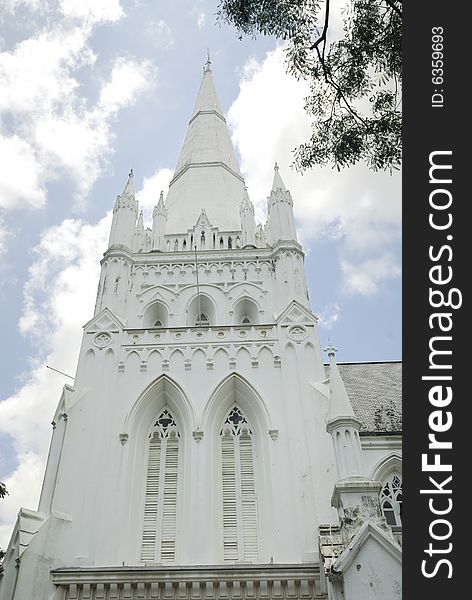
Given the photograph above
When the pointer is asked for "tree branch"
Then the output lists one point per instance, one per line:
(394, 7)
(322, 37)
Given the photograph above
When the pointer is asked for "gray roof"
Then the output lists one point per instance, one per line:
(375, 392)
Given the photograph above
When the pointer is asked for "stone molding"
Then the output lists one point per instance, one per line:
(235, 582)
(356, 485)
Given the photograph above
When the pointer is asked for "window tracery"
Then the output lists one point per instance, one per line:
(391, 500)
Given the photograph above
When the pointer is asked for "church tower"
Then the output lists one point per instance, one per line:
(191, 459)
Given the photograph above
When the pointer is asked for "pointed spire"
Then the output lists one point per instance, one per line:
(280, 211)
(278, 184)
(140, 223)
(129, 187)
(207, 98)
(248, 225)
(160, 208)
(246, 203)
(340, 406)
(124, 216)
(207, 172)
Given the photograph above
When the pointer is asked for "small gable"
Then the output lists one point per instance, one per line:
(370, 566)
(296, 314)
(104, 321)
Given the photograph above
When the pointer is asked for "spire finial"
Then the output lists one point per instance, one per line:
(207, 66)
(129, 188)
(330, 349)
(276, 166)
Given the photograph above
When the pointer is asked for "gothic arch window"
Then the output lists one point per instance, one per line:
(201, 311)
(246, 312)
(230, 242)
(160, 503)
(202, 240)
(214, 241)
(391, 499)
(221, 243)
(240, 527)
(176, 245)
(156, 315)
(184, 245)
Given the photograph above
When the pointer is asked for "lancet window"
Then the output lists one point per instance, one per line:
(160, 504)
(240, 527)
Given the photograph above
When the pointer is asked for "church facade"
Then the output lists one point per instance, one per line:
(205, 451)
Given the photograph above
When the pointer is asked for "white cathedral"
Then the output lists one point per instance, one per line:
(204, 451)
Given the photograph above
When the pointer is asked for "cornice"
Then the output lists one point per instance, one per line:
(204, 256)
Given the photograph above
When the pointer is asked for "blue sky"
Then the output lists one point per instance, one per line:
(92, 88)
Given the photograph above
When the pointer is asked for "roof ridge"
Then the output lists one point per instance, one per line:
(367, 362)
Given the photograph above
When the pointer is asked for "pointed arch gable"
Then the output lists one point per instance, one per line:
(266, 347)
(235, 388)
(248, 288)
(164, 390)
(389, 464)
(158, 292)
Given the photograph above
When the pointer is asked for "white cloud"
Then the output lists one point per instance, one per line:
(91, 130)
(148, 196)
(4, 235)
(358, 207)
(201, 20)
(160, 33)
(25, 485)
(366, 276)
(92, 10)
(329, 315)
(128, 79)
(45, 106)
(12, 5)
(20, 174)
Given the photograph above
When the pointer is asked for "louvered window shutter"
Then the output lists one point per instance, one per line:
(170, 500)
(248, 498)
(240, 531)
(230, 521)
(151, 500)
(160, 503)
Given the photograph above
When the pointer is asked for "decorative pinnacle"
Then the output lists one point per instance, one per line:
(330, 349)
(131, 174)
(246, 203)
(276, 166)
